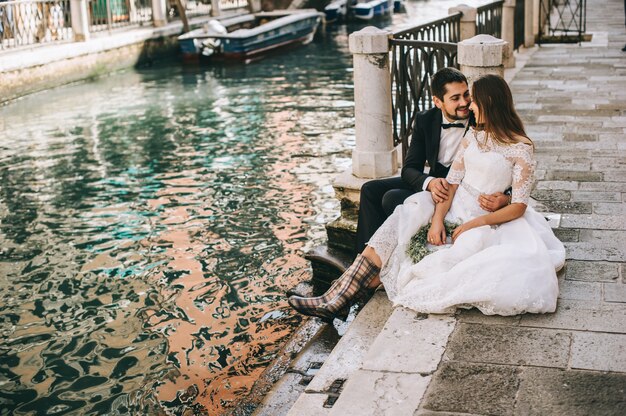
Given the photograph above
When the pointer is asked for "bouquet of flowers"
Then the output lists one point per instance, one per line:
(419, 248)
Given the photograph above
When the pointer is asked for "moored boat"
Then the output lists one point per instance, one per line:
(249, 36)
(371, 9)
(337, 10)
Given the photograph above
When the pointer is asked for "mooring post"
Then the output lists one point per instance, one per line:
(480, 55)
(374, 155)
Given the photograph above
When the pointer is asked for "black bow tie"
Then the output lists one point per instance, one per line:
(447, 126)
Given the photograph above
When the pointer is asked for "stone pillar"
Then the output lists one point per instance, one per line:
(215, 8)
(374, 155)
(529, 18)
(536, 6)
(480, 55)
(508, 31)
(468, 20)
(80, 20)
(254, 6)
(159, 12)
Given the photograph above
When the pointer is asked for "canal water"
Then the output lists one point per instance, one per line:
(151, 221)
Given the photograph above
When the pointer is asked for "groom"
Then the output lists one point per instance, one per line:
(437, 135)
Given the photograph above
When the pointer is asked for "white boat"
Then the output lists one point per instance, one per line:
(371, 9)
(248, 36)
(337, 10)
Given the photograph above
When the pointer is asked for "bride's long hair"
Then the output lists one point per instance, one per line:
(499, 119)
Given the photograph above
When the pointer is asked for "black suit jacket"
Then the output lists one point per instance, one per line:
(424, 148)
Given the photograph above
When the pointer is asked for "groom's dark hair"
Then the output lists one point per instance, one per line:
(442, 77)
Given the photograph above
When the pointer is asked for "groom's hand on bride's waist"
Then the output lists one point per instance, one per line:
(494, 202)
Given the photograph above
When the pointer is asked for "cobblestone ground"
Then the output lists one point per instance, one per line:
(573, 362)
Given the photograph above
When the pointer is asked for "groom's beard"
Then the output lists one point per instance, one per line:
(456, 116)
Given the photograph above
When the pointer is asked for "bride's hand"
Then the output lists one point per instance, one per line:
(437, 233)
(462, 228)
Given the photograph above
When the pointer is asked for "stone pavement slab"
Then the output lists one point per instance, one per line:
(600, 352)
(596, 222)
(502, 344)
(581, 316)
(473, 388)
(614, 293)
(599, 271)
(418, 343)
(312, 404)
(585, 291)
(583, 250)
(547, 391)
(381, 393)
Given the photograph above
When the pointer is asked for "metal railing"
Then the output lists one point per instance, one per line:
(197, 8)
(28, 22)
(489, 19)
(105, 15)
(416, 54)
(192, 9)
(562, 20)
(519, 27)
(233, 4)
(413, 63)
(447, 29)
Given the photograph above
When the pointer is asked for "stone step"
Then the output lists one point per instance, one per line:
(346, 358)
(328, 263)
(398, 366)
(341, 234)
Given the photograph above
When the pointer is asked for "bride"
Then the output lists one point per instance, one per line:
(501, 262)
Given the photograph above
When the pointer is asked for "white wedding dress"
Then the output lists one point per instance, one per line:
(505, 270)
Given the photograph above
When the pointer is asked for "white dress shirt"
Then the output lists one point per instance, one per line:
(449, 142)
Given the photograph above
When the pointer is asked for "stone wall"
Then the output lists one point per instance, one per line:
(28, 80)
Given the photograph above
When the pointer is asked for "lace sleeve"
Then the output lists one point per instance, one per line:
(523, 173)
(457, 169)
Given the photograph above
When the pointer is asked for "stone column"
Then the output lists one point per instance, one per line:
(80, 20)
(374, 155)
(529, 18)
(508, 31)
(215, 8)
(159, 12)
(254, 6)
(468, 20)
(536, 6)
(480, 55)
